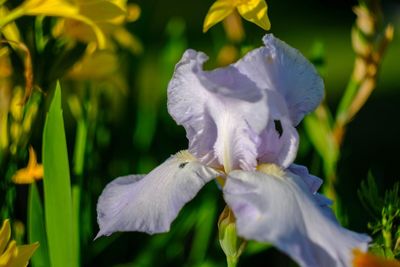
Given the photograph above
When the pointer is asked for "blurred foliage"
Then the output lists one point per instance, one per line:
(114, 60)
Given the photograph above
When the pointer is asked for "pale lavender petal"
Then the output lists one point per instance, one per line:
(279, 208)
(279, 144)
(222, 111)
(313, 182)
(150, 203)
(281, 68)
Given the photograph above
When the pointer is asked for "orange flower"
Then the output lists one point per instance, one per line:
(32, 172)
(370, 260)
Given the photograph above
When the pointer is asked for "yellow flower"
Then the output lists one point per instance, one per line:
(100, 12)
(107, 15)
(32, 172)
(369, 260)
(57, 8)
(12, 255)
(252, 10)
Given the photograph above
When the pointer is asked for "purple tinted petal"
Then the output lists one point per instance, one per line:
(279, 208)
(313, 182)
(222, 111)
(279, 144)
(281, 68)
(150, 203)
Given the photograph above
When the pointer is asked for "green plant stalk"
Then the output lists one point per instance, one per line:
(369, 46)
(232, 261)
(13, 15)
(80, 147)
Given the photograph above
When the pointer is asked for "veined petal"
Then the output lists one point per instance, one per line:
(149, 203)
(255, 11)
(281, 68)
(217, 12)
(279, 208)
(313, 182)
(222, 111)
(279, 143)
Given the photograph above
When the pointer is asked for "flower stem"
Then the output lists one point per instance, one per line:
(232, 261)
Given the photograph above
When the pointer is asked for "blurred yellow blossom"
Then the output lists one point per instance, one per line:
(96, 65)
(10, 31)
(252, 10)
(227, 55)
(108, 15)
(32, 172)
(12, 255)
(57, 8)
(369, 260)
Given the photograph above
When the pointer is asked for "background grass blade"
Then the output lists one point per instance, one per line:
(61, 234)
(36, 228)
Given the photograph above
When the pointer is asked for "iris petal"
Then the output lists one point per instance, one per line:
(149, 203)
(222, 111)
(280, 208)
(281, 68)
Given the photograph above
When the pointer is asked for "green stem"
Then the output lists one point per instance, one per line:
(232, 261)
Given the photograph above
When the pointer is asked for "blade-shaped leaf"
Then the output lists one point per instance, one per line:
(36, 228)
(57, 189)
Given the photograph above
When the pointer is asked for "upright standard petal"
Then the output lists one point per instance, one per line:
(222, 111)
(279, 142)
(149, 203)
(281, 68)
(277, 206)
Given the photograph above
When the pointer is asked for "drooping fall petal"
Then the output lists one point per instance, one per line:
(276, 206)
(149, 203)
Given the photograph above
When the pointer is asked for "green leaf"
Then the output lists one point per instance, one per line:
(320, 133)
(61, 234)
(203, 231)
(37, 229)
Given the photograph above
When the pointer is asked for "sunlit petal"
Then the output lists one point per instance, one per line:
(61, 8)
(23, 254)
(5, 234)
(222, 111)
(12, 255)
(255, 11)
(217, 12)
(277, 206)
(281, 68)
(149, 203)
